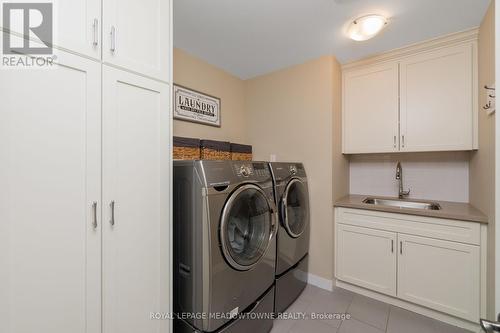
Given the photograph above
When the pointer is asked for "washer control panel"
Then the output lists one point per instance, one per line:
(243, 169)
(247, 169)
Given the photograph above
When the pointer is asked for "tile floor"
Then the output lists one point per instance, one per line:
(367, 316)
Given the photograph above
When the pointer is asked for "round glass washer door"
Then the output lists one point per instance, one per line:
(295, 208)
(248, 224)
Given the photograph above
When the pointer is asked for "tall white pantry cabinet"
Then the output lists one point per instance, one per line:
(85, 168)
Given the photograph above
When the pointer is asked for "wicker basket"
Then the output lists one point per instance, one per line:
(215, 150)
(241, 152)
(186, 148)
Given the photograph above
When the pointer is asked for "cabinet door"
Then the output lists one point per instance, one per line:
(136, 233)
(79, 26)
(437, 100)
(371, 109)
(50, 125)
(137, 36)
(439, 274)
(76, 26)
(367, 258)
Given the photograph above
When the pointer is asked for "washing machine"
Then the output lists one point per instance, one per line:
(225, 226)
(292, 200)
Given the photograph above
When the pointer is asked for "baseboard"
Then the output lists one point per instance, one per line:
(319, 282)
(474, 327)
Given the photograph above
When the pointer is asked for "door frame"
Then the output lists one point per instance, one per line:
(496, 246)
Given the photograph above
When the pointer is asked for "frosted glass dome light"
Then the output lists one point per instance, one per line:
(366, 27)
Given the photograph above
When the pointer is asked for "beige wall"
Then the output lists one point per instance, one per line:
(290, 115)
(482, 164)
(196, 74)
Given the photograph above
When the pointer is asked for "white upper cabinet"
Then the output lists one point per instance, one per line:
(137, 36)
(78, 26)
(438, 99)
(422, 98)
(371, 109)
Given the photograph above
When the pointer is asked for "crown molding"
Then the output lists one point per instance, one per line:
(469, 35)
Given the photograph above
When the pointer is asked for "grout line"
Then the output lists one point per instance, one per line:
(347, 311)
(388, 316)
(364, 322)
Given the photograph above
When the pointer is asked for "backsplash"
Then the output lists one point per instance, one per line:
(434, 176)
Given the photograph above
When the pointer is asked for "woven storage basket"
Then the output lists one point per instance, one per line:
(215, 150)
(186, 148)
(241, 152)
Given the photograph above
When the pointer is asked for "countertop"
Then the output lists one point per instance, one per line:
(449, 210)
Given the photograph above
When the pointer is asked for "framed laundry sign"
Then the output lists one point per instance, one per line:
(194, 106)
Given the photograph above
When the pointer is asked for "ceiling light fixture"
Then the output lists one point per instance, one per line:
(366, 27)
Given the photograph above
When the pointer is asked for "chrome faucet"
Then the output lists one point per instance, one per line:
(399, 177)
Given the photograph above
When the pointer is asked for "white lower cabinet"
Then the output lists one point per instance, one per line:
(435, 264)
(50, 176)
(135, 198)
(439, 274)
(367, 258)
(69, 261)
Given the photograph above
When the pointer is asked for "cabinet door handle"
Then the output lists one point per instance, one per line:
(403, 140)
(394, 141)
(113, 39)
(401, 247)
(94, 214)
(95, 27)
(112, 206)
(392, 245)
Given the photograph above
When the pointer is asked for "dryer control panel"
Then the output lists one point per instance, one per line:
(261, 169)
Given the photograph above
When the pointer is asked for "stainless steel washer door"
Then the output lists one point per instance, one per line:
(295, 208)
(248, 224)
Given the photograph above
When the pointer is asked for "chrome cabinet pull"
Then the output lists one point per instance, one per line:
(403, 139)
(490, 326)
(394, 141)
(112, 206)
(392, 245)
(94, 214)
(401, 247)
(95, 27)
(113, 39)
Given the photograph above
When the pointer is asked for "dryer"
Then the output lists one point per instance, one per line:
(292, 199)
(225, 225)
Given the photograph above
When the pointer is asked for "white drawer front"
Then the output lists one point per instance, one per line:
(452, 230)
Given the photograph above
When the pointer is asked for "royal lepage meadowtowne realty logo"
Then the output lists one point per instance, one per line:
(28, 34)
